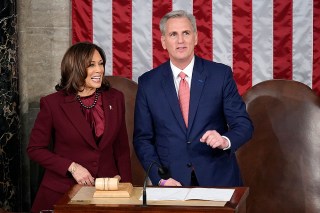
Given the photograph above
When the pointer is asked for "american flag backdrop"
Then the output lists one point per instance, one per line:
(259, 39)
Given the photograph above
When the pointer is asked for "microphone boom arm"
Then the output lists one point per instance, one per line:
(164, 174)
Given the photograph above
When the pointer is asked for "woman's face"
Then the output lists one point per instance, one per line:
(95, 73)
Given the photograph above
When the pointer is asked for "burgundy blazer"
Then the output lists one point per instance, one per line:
(60, 118)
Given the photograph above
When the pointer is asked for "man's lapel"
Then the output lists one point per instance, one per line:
(171, 94)
(198, 81)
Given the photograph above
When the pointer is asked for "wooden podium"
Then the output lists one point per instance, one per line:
(67, 204)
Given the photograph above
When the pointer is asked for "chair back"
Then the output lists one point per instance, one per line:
(281, 163)
(129, 89)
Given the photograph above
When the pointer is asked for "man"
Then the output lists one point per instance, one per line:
(196, 141)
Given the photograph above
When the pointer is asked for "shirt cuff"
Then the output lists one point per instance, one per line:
(229, 143)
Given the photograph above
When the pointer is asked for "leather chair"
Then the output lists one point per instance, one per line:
(280, 164)
(129, 89)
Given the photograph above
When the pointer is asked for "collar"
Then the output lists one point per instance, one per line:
(187, 70)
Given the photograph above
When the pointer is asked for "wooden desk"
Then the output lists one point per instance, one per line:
(236, 204)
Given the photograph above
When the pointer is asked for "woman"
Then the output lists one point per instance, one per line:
(85, 120)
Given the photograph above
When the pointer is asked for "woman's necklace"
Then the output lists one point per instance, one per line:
(92, 105)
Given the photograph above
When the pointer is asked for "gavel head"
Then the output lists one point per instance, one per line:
(107, 184)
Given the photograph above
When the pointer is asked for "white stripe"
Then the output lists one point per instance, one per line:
(302, 41)
(102, 29)
(262, 41)
(186, 5)
(141, 37)
(222, 31)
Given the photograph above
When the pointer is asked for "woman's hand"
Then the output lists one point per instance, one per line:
(81, 174)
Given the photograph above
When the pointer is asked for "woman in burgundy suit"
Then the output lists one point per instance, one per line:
(85, 121)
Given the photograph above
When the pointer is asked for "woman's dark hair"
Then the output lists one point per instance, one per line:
(74, 67)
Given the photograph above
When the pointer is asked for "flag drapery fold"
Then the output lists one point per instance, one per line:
(260, 40)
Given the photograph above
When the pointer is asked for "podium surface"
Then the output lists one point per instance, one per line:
(67, 203)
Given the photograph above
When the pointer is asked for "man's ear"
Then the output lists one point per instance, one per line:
(196, 39)
(163, 42)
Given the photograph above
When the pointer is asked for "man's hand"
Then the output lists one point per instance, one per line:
(214, 139)
(170, 182)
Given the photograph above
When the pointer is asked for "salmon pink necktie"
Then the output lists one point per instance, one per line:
(184, 97)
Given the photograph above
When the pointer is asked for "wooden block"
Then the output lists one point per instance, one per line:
(125, 190)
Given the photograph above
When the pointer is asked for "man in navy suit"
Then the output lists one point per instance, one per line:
(201, 150)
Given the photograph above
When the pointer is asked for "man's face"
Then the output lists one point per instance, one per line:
(179, 40)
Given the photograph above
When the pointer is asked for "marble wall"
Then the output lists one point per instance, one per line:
(9, 107)
(34, 36)
(44, 36)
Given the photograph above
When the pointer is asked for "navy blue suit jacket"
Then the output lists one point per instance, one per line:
(160, 133)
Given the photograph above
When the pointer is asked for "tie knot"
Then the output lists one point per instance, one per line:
(182, 75)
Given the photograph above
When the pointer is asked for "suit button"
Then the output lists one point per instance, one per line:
(94, 163)
(189, 165)
(188, 142)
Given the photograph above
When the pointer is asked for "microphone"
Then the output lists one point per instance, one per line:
(163, 173)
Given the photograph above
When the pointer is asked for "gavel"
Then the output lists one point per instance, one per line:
(107, 184)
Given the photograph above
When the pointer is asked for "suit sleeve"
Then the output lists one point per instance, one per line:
(144, 140)
(40, 139)
(240, 125)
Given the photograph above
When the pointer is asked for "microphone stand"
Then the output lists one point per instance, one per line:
(164, 174)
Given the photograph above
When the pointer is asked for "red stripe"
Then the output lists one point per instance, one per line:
(160, 8)
(202, 10)
(282, 39)
(82, 27)
(122, 38)
(316, 47)
(242, 44)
